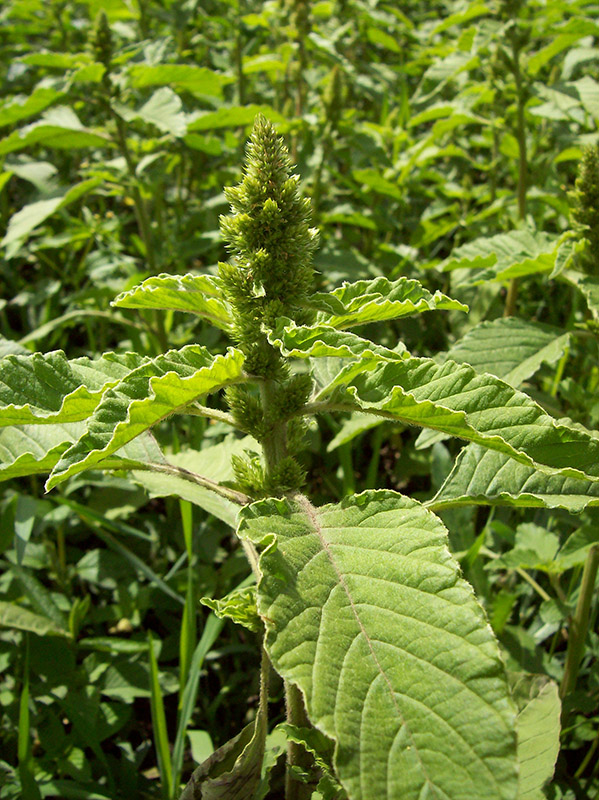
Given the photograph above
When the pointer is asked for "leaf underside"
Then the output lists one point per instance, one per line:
(196, 294)
(147, 395)
(367, 613)
(486, 477)
(377, 300)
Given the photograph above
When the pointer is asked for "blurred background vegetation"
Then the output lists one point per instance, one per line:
(417, 129)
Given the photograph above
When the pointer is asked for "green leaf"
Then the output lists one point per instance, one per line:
(233, 117)
(322, 341)
(502, 257)
(164, 109)
(35, 449)
(510, 348)
(161, 387)
(453, 398)
(534, 548)
(30, 216)
(14, 109)
(367, 613)
(589, 286)
(377, 300)
(59, 128)
(48, 388)
(14, 616)
(239, 606)
(486, 477)
(197, 80)
(197, 294)
(538, 733)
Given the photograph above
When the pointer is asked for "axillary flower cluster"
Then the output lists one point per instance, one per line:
(269, 275)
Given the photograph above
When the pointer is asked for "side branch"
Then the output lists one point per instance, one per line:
(187, 475)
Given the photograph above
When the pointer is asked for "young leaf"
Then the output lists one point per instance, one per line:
(323, 341)
(147, 395)
(487, 477)
(367, 613)
(198, 294)
(455, 399)
(48, 388)
(377, 300)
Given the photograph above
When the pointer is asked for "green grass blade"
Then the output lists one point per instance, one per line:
(159, 725)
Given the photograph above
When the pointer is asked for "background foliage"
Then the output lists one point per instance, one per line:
(436, 141)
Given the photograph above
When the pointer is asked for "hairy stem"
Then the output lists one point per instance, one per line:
(297, 756)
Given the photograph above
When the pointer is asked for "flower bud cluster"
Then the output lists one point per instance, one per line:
(271, 242)
(585, 208)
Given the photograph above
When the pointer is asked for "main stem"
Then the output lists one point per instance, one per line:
(274, 446)
(510, 300)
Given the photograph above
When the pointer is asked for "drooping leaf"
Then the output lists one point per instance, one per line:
(502, 257)
(454, 399)
(376, 301)
(161, 387)
(198, 294)
(15, 616)
(36, 449)
(48, 388)
(234, 770)
(59, 128)
(164, 109)
(486, 477)
(14, 109)
(187, 77)
(538, 733)
(589, 286)
(367, 613)
(30, 216)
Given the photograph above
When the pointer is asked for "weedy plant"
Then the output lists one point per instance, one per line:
(395, 686)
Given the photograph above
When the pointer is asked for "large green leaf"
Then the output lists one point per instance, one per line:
(36, 449)
(455, 399)
(187, 77)
(14, 109)
(48, 388)
(377, 300)
(198, 294)
(486, 477)
(504, 256)
(366, 611)
(510, 348)
(147, 395)
(59, 128)
(233, 117)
